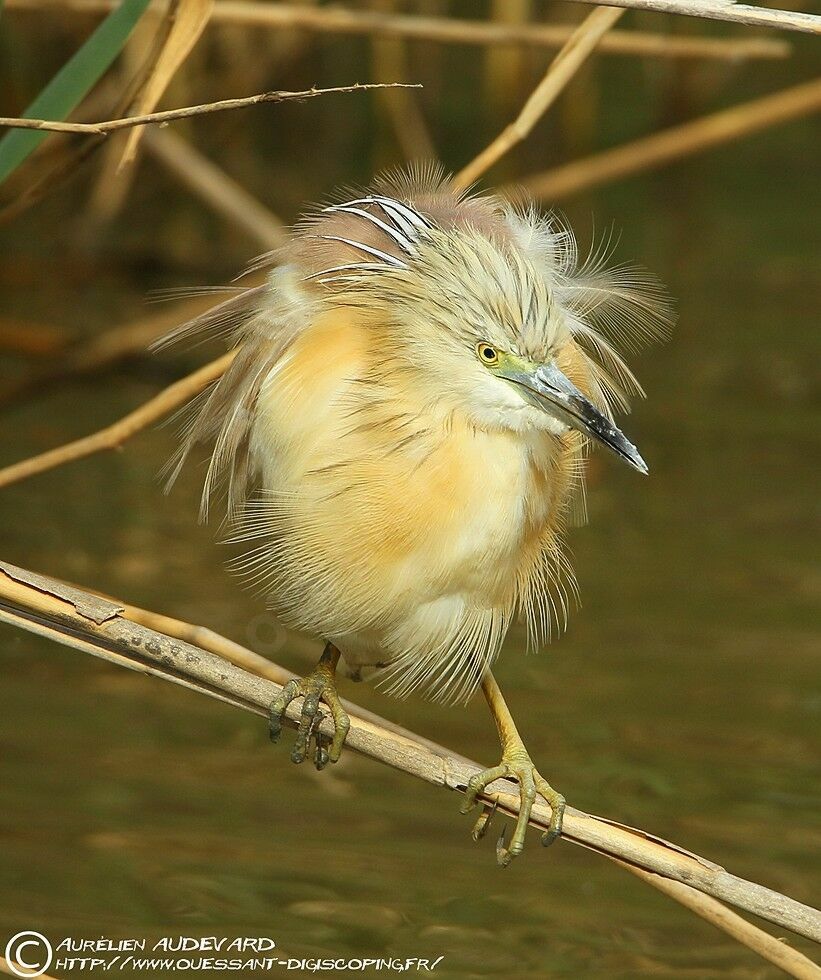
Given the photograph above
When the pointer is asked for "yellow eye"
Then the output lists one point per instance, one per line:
(487, 353)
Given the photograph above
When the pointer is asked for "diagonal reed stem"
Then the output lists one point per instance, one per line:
(578, 48)
(96, 625)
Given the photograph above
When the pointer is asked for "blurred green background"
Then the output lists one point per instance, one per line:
(684, 697)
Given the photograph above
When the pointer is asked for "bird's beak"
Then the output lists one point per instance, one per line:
(554, 392)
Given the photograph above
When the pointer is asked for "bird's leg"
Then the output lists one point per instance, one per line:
(516, 764)
(319, 685)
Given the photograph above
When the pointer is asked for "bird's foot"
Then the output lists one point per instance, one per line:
(318, 686)
(516, 764)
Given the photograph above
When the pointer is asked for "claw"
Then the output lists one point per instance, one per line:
(558, 805)
(479, 782)
(503, 855)
(315, 688)
(307, 721)
(321, 755)
(278, 708)
(516, 764)
(482, 825)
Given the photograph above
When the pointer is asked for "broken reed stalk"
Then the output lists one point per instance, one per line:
(578, 48)
(101, 627)
(187, 112)
(444, 30)
(671, 144)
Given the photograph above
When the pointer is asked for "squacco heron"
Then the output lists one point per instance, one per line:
(402, 436)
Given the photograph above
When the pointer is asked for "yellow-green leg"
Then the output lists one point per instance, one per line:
(516, 764)
(319, 685)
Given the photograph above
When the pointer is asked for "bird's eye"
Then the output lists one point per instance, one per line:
(487, 354)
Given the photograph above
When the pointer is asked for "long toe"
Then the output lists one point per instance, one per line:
(531, 784)
(558, 805)
(279, 706)
(342, 725)
(315, 688)
(527, 797)
(310, 707)
(479, 782)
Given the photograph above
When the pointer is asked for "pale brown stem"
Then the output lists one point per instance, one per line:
(738, 13)
(186, 112)
(232, 651)
(338, 20)
(115, 435)
(213, 186)
(95, 625)
(580, 45)
(671, 144)
(790, 960)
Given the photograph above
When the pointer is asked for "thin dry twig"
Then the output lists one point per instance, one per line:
(671, 144)
(213, 186)
(338, 20)
(726, 10)
(187, 112)
(101, 627)
(580, 45)
(113, 436)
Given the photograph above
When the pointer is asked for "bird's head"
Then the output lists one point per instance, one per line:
(487, 310)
